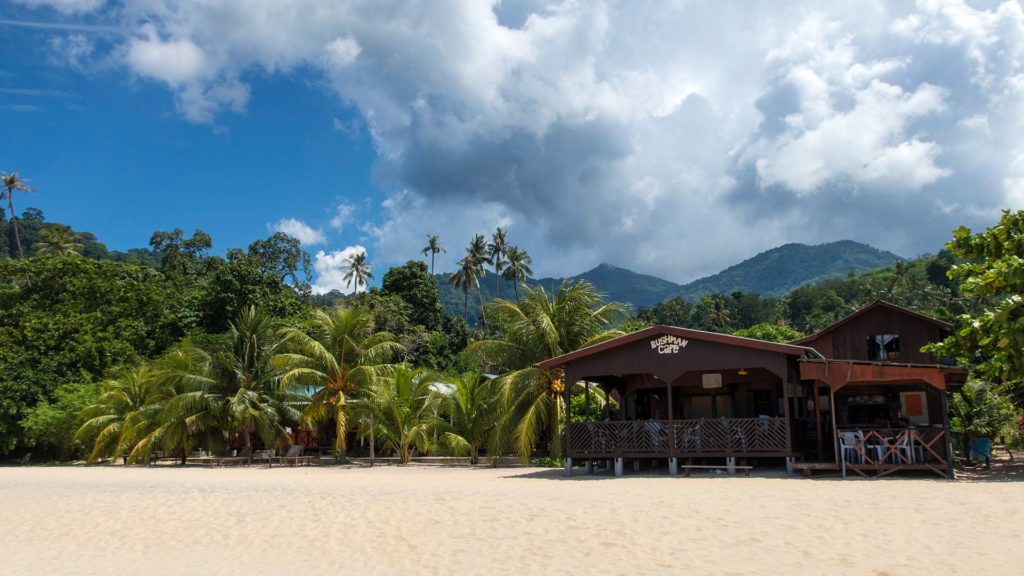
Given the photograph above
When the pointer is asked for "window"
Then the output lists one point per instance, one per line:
(883, 347)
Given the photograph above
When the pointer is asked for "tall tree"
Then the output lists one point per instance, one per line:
(12, 182)
(477, 256)
(335, 359)
(497, 250)
(282, 256)
(59, 240)
(416, 287)
(542, 326)
(464, 279)
(433, 247)
(180, 256)
(517, 269)
(991, 274)
(357, 270)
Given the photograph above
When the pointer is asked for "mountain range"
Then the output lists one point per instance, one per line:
(771, 273)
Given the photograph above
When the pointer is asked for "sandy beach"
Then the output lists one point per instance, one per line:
(447, 520)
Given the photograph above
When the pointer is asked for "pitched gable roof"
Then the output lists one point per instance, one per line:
(874, 305)
(791, 349)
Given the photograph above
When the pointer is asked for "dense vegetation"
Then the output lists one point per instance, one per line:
(169, 348)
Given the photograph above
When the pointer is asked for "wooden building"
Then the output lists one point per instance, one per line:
(858, 395)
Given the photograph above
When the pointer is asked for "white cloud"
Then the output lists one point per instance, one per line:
(342, 215)
(172, 61)
(341, 52)
(672, 138)
(304, 233)
(330, 270)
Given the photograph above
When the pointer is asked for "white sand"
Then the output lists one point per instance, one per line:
(434, 520)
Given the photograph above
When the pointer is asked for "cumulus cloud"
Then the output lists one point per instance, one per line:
(304, 233)
(330, 270)
(672, 138)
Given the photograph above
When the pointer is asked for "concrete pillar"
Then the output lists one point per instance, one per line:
(789, 465)
(568, 467)
(618, 467)
(673, 466)
(730, 465)
(590, 466)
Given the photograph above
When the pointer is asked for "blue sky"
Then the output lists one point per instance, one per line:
(672, 139)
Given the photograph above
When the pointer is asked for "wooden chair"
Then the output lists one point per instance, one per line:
(263, 456)
(244, 457)
(294, 456)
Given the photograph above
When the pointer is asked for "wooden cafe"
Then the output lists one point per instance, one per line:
(856, 397)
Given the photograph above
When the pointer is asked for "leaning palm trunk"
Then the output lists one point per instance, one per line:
(14, 224)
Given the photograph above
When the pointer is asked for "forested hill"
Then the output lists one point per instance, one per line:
(777, 271)
(771, 273)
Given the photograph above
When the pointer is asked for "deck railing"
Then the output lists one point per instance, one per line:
(884, 451)
(680, 438)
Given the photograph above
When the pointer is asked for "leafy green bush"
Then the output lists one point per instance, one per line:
(50, 426)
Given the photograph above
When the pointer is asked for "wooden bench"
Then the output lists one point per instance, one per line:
(686, 468)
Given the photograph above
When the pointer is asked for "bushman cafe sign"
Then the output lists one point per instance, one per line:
(668, 344)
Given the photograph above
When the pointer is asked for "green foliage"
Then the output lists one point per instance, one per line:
(400, 409)
(180, 256)
(600, 406)
(980, 411)
(282, 257)
(469, 408)
(240, 283)
(540, 327)
(770, 332)
(50, 426)
(991, 274)
(334, 359)
(416, 287)
(70, 319)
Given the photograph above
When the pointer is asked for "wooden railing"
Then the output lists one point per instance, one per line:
(682, 438)
(889, 450)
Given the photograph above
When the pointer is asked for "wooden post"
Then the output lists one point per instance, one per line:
(835, 427)
(817, 420)
(789, 433)
(950, 470)
(671, 436)
(567, 383)
(586, 387)
(371, 441)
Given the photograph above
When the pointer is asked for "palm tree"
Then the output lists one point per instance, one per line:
(399, 410)
(465, 278)
(477, 256)
(60, 240)
(238, 385)
(433, 247)
(497, 250)
(469, 408)
(183, 413)
(357, 270)
(542, 326)
(125, 412)
(12, 182)
(517, 269)
(337, 357)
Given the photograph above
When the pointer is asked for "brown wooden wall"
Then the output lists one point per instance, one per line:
(698, 355)
(849, 341)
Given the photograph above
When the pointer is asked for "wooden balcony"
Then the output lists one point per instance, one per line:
(705, 437)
